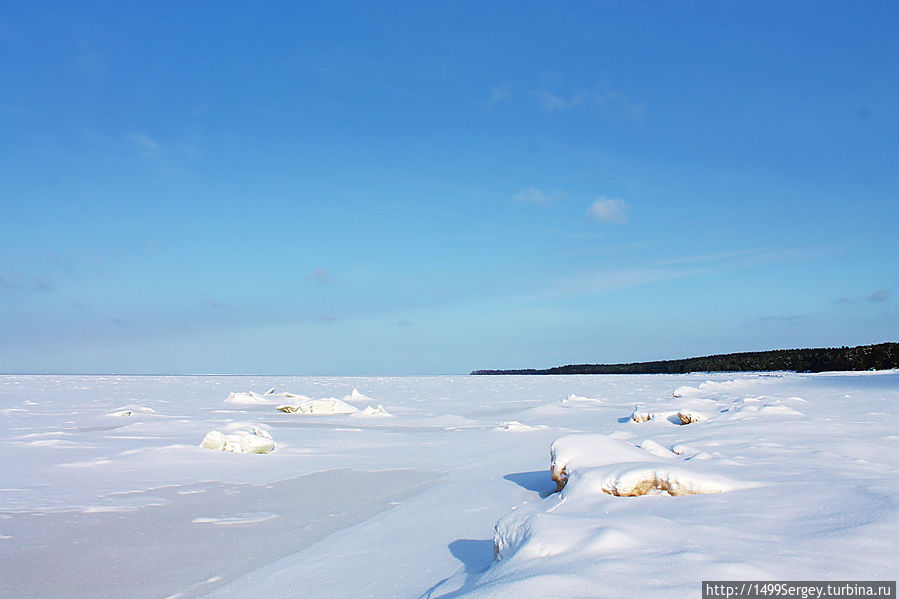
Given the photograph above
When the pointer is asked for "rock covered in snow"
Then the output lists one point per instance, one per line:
(575, 452)
(641, 414)
(257, 441)
(689, 416)
(633, 482)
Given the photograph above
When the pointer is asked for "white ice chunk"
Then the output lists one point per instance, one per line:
(248, 398)
(259, 441)
(357, 396)
(515, 426)
(319, 407)
(214, 440)
(374, 411)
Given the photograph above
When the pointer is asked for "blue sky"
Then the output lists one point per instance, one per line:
(405, 188)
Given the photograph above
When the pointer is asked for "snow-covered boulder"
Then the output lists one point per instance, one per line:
(688, 416)
(575, 452)
(633, 482)
(641, 414)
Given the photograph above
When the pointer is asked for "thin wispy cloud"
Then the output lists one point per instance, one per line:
(718, 256)
(319, 276)
(144, 143)
(880, 296)
(42, 284)
(552, 102)
(607, 281)
(877, 297)
(20, 283)
(535, 197)
(214, 304)
(498, 93)
(608, 103)
(608, 210)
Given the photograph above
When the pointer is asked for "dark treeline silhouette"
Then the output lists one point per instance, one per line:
(864, 357)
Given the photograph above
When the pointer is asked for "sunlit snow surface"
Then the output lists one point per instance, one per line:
(105, 490)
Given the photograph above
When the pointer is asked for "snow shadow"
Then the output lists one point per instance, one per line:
(475, 555)
(539, 481)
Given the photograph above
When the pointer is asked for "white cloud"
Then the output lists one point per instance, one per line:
(498, 93)
(608, 210)
(553, 102)
(534, 196)
(609, 104)
(144, 143)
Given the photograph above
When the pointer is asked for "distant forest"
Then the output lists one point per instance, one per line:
(864, 357)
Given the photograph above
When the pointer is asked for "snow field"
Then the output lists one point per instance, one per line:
(784, 476)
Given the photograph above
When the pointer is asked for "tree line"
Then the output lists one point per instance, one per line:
(882, 356)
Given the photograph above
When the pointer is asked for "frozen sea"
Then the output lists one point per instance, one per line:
(105, 490)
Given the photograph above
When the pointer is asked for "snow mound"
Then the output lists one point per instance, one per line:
(689, 416)
(130, 410)
(250, 398)
(357, 396)
(377, 412)
(641, 414)
(257, 441)
(319, 407)
(656, 449)
(535, 535)
(572, 398)
(763, 405)
(576, 452)
(515, 426)
(685, 390)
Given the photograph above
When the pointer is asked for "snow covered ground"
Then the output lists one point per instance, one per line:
(446, 490)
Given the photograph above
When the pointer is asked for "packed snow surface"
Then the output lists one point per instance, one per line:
(444, 486)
